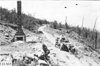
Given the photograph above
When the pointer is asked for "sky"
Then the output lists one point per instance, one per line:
(75, 11)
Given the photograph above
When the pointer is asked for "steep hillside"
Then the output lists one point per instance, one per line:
(84, 53)
(29, 22)
(82, 56)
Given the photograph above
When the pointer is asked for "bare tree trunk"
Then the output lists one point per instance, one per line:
(96, 36)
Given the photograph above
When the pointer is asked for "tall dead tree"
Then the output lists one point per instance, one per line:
(66, 24)
(95, 34)
(96, 37)
(95, 24)
(82, 26)
(82, 22)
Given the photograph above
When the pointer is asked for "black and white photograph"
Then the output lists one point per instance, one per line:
(49, 33)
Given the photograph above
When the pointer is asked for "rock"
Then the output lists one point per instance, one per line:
(64, 48)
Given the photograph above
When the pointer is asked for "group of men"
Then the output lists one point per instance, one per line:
(63, 44)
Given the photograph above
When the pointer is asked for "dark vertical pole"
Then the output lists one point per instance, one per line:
(19, 14)
(19, 8)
